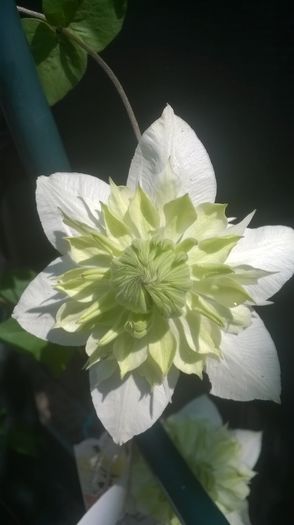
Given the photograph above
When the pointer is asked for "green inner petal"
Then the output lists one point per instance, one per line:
(119, 199)
(129, 352)
(116, 228)
(151, 285)
(226, 291)
(161, 346)
(142, 216)
(179, 215)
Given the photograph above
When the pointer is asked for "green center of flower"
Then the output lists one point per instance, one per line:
(151, 273)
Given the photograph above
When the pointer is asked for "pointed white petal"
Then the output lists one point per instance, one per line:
(240, 227)
(170, 161)
(127, 408)
(270, 248)
(108, 509)
(249, 368)
(37, 307)
(77, 195)
(200, 408)
(250, 442)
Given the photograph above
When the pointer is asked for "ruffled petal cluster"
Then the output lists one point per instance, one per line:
(221, 459)
(154, 279)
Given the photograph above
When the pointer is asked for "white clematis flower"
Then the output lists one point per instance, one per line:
(154, 280)
(221, 459)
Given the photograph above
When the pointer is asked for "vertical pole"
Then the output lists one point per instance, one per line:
(23, 103)
(188, 498)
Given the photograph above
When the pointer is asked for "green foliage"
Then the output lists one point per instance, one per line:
(61, 63)
(60, 13)
(54, 356)
(54, 43)
(12, 284)
(96, 23)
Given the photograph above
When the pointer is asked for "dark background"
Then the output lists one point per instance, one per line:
(227, 69)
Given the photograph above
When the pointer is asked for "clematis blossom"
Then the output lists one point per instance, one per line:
(222, 460)
(154, 279)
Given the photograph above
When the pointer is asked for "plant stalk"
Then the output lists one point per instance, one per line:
(97, 58)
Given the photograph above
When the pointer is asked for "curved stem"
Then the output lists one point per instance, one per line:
(29, 12)
(111, 75)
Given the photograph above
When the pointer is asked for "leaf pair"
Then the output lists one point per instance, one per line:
(60, 60)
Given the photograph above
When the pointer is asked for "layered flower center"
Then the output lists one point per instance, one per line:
(151, 286)
(149, 273)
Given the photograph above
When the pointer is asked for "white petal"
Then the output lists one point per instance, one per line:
(240, 227)
(250, 442)
(270, 248)
(200, 408)
(241, 517)
(38, 305)
(108, 509)
(249, 368)
(127, 408)
(77, 195)
(170, 161)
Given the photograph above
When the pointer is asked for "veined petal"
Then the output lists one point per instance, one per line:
(141, 216)
(77, 195)
(129, 352)
(185, 359)
(249, 367)
(269, 248)
(161, 346)
(127, 408)
(211, 222)
(170, 161)
(188, 361)
(37, 308)
(179, 215)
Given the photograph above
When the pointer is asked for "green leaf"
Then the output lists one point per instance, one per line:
(54, 356)
(60, 13)
(61, 63)
(98, 22)
(13, 283)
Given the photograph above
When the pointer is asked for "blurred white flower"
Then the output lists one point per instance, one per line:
(220, 458)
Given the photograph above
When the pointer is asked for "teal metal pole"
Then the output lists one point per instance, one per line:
(187, 496)
(23, 103)
(41, 151)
